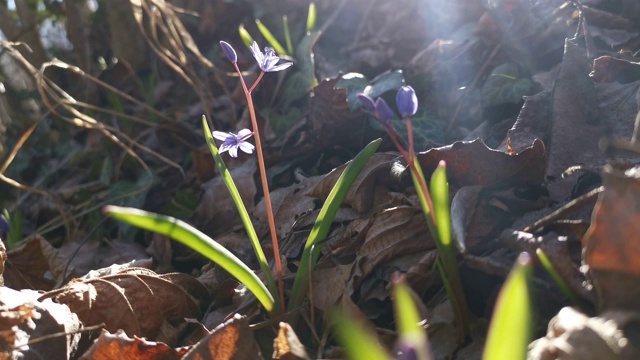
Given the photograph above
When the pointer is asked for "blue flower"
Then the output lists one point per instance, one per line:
(367, 102)
(233, 142)
(228, 51)
(385, 114)
(406, 101)
(268, 60)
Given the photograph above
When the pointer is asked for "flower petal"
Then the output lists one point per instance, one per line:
(406, 101)
(280, 67)
(255, 50)
(222, 136)
(233, 151)
(246, 147)
(367, 102)
(229, 52)
(385, 114)
(244, 134)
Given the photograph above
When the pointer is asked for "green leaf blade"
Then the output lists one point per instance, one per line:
(198, 241)
(510, 329)
(322, 224)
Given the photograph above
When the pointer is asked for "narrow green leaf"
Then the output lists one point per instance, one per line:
(358, 343)
(245, 36)
(311, 17)
(287, 34)
(275, 44)
(510, 328)
(548, 266)
(446, 262)
(410, 332)
(244, 215)
(198, 241)
(322, 225)
(440, 197)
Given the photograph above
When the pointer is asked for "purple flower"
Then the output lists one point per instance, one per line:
(228, 51)
(406, 101)
(367, 102)
(233, 142)
(385, 114)
(268, 60)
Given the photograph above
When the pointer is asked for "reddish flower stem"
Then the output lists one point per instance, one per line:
(265, 184)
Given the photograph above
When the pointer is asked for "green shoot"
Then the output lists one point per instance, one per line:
(198, 241)
(548, 266)
(247, 40)
(287, 34)
(410, 333)
(311, 17)
(275, 44)
(510, 331)
(446, 247)
(322, 225)
(356, 339)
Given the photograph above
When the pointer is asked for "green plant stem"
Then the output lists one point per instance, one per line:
(265, 184)
(242, 210)
(447, 262)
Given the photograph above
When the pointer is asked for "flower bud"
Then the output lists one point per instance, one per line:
(406, 101)
(228, 51)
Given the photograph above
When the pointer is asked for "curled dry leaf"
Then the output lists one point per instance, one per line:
(610, 246)
(473, 163)
(121, 346)
(137, 301)
(37, 265)
(231, 340)
(287, 345)
(369, 189)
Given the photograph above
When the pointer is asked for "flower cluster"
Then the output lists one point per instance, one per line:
(268, 62)
(406, 103)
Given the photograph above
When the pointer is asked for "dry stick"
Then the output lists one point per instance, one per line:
(565, 210)
(265, 183)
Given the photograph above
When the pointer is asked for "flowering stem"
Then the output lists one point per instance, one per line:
(410, 160)
(265, 184)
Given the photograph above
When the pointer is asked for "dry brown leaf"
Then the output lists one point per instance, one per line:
(610, 243)
(23, 319)
(216, 210)
(36, 265)
(137, 301)
(120, 346)
(369, 189)
(231, 340)
(287, 346)
(610, 246)
(473, 163)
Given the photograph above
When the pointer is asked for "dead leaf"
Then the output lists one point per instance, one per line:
(575, 123)
(216, 210)
(473, 163)
(610, 246)
(135, 300)
(24, 319)
(369, 189)
(287, 346)
(37, 265)
(120, 346)
(231, 340)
